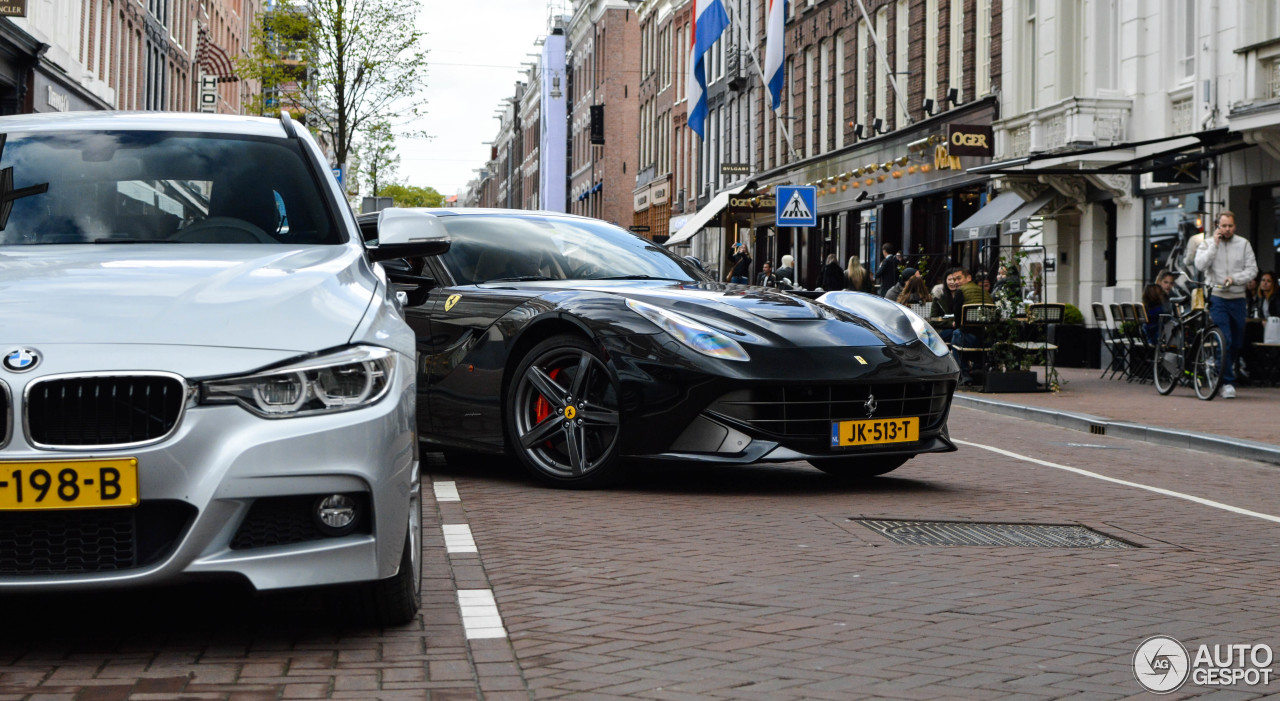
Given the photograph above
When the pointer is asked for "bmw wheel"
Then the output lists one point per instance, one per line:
(395, 601)
(562, 414)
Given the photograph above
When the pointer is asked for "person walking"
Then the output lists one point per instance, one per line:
(856, 277)
(1228, 264)
(740, 273)
(887, 272)
(832, 277)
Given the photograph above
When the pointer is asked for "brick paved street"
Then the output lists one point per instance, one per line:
(693, 582)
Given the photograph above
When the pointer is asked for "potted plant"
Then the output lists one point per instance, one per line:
(1009, 368)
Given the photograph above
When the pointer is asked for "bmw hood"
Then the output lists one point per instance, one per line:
(235, 296)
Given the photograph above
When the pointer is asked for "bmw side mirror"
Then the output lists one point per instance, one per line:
(408, 233)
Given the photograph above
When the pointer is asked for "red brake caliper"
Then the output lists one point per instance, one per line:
(542, 408)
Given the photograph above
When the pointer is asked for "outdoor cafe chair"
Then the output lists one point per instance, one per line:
(1119, 352)
(1141, 352)
(973, 328)
(1036, 332)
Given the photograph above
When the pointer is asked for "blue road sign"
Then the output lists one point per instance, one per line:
(337, 174)
(797, 205)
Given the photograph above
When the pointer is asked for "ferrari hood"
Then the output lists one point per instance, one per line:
(756, 301)
(235, 296)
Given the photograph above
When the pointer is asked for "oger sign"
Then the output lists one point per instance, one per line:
(969, 140)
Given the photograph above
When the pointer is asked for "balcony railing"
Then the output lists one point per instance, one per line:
(1072, 123)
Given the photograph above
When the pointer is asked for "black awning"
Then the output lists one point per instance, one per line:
(985, 223)
(1210, 143)
(1017, 222)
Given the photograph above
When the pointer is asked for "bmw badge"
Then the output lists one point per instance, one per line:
(21, 359)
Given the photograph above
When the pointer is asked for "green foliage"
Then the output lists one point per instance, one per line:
(410, 196)
(338, 65)
(1072, 315)
(376, 156)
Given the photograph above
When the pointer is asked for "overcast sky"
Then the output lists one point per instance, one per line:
(475, 49)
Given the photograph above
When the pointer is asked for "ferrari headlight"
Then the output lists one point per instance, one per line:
(927, 334)
(694, 334)
(347, 379)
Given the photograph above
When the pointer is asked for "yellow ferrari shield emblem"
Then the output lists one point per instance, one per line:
(570, 412)
(861, 360)
(453, 299)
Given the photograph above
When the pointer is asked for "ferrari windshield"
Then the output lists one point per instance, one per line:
(498, 247)
(159, 187)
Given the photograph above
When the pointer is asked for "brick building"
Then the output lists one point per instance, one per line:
(604, 53)
(877, 154)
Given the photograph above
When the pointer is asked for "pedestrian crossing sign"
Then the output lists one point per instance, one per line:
(797, 205)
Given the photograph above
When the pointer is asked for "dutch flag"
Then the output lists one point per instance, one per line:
(709, 22)
(775, 50)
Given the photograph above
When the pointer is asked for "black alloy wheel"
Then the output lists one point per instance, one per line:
(1168, 358)
(856, 468)
(562, 414)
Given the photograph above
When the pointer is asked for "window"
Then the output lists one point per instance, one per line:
(982, 57)
(840, 113)
(1185, 38)
(809, 89)
(900, 61)
(824, 101)
(955, 79)
(860, 66)
(1030, 57)
(1106, 51)
(882, 75)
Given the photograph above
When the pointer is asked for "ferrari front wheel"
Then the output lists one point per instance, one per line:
(562, 414)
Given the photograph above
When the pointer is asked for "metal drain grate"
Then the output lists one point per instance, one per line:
(1026, 535)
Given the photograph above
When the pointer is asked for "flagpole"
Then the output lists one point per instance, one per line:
(782, 122)
(885, 62)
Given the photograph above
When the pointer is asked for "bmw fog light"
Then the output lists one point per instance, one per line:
(336, 514)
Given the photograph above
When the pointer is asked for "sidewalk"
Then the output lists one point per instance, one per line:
(1245, 427)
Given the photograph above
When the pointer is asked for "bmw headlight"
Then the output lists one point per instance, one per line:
(928, 335)
(694, 334)
(340, 381)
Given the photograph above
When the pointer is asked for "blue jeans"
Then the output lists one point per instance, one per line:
(739, 279)
(1228, 314)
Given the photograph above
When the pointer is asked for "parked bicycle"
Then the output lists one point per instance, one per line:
(1190, 350)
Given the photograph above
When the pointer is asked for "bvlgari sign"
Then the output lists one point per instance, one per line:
(13, 8)
(969, 140)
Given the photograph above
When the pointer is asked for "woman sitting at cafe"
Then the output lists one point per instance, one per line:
(915, 293)
(1266, 302)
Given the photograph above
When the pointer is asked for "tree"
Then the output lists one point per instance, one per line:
(410, 196)
(377, 155)
(341, 64)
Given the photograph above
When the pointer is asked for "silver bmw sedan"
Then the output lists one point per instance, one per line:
(203, 371)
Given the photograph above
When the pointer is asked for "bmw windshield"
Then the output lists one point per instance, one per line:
(495, 248)
(78, 187)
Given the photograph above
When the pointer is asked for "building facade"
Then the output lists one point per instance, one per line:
(1142, 121)
(604, 52)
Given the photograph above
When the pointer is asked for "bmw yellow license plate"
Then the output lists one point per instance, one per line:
(874, 431)
(68, 484)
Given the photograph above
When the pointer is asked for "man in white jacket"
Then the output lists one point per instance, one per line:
(1227, 261)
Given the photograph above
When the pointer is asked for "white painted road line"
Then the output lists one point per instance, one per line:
(457, 538)
(446, 491)
(480, 618)
(1104, 478)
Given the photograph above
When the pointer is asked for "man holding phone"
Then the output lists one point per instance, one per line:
(1228, 264)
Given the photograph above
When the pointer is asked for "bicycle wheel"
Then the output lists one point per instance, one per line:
(1168, 361)
(1211, 355)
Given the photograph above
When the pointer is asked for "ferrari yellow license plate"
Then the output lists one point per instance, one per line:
(68, 484)
(874, 431)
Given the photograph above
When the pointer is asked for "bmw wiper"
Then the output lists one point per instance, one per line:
(129, 240)
(521, 278)
(637, 277)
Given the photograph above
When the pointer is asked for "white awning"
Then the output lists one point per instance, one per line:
(985, 223)
(704, 215)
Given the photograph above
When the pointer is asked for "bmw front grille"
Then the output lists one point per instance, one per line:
(103, 410)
